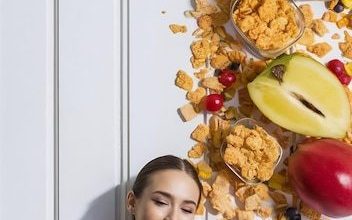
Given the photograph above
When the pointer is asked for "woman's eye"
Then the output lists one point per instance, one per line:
(160, 202)
(188, 211)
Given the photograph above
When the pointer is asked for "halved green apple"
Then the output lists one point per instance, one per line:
(302, 95)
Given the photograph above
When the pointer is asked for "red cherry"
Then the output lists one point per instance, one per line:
(227, 77)
(345, 79)
(213, 102)
(336, 66)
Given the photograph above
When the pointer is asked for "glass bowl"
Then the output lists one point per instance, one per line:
(269, 53)
(249, 123)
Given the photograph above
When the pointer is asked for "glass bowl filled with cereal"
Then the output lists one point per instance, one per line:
(250, 152)
(267, 27)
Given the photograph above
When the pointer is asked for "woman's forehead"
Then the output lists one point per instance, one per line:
(175, 182)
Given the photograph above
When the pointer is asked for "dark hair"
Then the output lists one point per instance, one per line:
(164, 163)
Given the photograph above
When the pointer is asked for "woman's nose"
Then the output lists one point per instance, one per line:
(172, 214)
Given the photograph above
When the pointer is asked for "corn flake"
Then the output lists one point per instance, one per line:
(319, 27)
(346, 47)
(197, 150)
(184, 81)
(329, 16)
(307, 11)
(187, 112)
(320, 49)
(204, 170)
(197, 95)
(212, 83)
(176, 28)
(200, 133)
(307, 38)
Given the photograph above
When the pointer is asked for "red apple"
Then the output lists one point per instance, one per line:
(320, 171)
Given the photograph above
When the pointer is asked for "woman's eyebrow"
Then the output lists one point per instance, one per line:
(169, 196)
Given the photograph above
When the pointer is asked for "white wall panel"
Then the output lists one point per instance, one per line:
(89, 121)
(26, 110)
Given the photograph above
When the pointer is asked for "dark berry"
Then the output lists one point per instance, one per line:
(217, 72)
(292, 214)
(339, 7)
(234, 66)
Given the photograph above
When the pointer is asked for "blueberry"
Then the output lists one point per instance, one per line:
(292, 214)
(234, 66)
(217, 72)
(339, 7)
(297, 217)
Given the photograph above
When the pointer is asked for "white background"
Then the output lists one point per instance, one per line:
(26, 110)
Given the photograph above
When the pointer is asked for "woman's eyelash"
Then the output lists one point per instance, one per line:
(190, 211)
(159, 202)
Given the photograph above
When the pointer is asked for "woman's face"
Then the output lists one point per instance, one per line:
(170, 194)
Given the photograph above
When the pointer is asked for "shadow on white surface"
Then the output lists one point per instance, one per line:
(100, 208)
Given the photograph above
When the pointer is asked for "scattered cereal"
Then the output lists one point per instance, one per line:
(206, 188)
(309, 212)
(307, 13)
(335, 36)
(201, 74)
(264, 212)
(348, 68)
(219, 129)
(343, 22)
(197, 95)
(200, 49)
(320, 49)
(307, 38)
(220, 198)
(204, 170)
(252, 203)
(346, 47)
(329, 16)
(204, 22)
(262, 191)
(252, 69)
(231, 113)
(197, 150)
(332, 4)
(200, 133)
(176, 28)
(279, 198)
(184, 81)
(246, 104)
(243, 193)
(201, 208)
(244, 215)
(197, 63)
(220, 61)
(187, 112)
(236, 56)
(319, 28)
(212, 83)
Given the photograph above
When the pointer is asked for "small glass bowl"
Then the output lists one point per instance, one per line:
(248, 123)
(273, 53)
